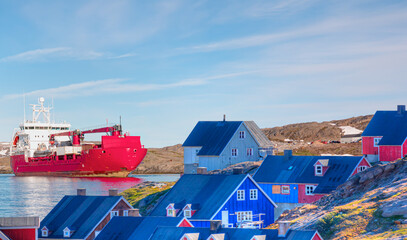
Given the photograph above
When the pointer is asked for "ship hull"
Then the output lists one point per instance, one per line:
(117, 156)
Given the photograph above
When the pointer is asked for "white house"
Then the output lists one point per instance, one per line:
(219, 144)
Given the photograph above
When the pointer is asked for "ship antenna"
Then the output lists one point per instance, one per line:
(120, 120)
(24, 105)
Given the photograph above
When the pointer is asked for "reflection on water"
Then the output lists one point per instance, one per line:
(36, 196)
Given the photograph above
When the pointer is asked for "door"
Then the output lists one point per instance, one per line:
(225, 218)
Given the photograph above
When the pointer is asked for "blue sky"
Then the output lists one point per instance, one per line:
(164, 65)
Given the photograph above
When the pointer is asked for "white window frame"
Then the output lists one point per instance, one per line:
(249, 151)
(361, 168)
(234, 152)
(309, 189)
(125, 213)
(44, 232)
(114, 213)
(242, 135)
(240, 195)
(170, 212)
(319, 170)
(253, 194)
(376, 142)
(285, 189)
(187, 213)
(244, 216)
(67, 232)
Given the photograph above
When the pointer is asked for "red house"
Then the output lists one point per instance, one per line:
(384, 138)
(19, 228)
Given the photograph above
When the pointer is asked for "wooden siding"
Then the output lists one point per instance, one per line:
(304, 198)
(316, 237)
(281, 198)
(389, 153)
(261, 205)
(368, 146)
(364, 162)
(404, 148)
(20, 234)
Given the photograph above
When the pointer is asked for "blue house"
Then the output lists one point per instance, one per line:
(219, 144)
(174, 233)
(124, 228)
(293, 181)
(83, 217)
(236, 200)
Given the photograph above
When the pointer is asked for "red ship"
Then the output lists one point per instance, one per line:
(50, 149)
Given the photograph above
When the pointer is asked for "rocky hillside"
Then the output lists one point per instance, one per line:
(313, 131)
(162, 160)
(370, 205)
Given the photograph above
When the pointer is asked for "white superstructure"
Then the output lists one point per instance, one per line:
(32, 138)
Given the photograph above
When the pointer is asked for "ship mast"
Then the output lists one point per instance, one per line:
(39, 109)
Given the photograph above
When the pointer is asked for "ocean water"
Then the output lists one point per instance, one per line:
(36, 196)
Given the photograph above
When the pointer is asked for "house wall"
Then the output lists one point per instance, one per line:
(260, 206)
(316, 237)
(389, 153)
(191, 160)
(362, 163)
(368, 147)
(281, 198)
(404, 148)
(304, 198)
(121, 205)
(20, 234)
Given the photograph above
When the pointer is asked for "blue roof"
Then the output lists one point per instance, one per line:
(79, 213)
(389, 124)
(206, 193)
(170, 233)
(300, 169)
(212, 136)
(122, 228)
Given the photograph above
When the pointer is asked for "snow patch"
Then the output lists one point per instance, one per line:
(348, 130)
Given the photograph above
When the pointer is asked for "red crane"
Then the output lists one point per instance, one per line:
(115, 130)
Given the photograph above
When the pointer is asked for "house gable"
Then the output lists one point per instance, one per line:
(261, 208)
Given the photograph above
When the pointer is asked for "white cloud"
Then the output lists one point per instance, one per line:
(114, 86)
(51, 54)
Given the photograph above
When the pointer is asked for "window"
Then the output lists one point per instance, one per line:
(114, 213)
(276, 189)
(249, 152)
(44, 231)
(309, 189)
(125, 213)
(318, 170)
(361, 169)
(170, 213)
(234, 152)
(67, 232)
(376, 142)
(244, 216)
(285, 189)
(240, 195)
(242, 134)
(187, 213)
(253, 194)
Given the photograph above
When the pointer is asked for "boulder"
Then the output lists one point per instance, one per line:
(397, 208)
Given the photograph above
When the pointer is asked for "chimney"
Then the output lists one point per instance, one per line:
(288, 154)
(237, 170)
(224, 117)
(215, 225)
(401, 109)
(113, 192)
(283, 227)
(81, 191)
(134, 212)
(202, 170)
